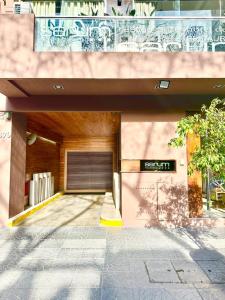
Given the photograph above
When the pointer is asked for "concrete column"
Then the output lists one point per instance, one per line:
(5, 155)
(12, 164)
(18, 164)
(152, 198)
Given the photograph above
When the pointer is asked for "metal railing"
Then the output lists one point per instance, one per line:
(130, 34)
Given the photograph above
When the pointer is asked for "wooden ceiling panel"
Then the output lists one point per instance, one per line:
(84, 124)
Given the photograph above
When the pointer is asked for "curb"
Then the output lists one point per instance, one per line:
(111, 223)
(14, 221)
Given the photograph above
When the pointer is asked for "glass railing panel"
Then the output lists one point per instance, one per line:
(128, 34)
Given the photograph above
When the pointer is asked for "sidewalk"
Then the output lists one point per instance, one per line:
(98, 263)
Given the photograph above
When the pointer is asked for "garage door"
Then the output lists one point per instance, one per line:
(89, 171)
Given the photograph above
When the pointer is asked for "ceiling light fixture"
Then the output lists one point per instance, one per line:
(58, 87)
(163, 84)
(219, 86)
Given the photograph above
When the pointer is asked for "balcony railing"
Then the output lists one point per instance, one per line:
(129, 34)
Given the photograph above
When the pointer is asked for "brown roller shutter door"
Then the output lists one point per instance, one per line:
(89, 171)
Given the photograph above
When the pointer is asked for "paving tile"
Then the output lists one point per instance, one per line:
(44, 279)
(117, 294)
(117, 280)
(62, 293)
(206, 254)
(189, 272)
(72, 263)
(88, 278)
(140, 279)
(118, 264)
(8, 279)
(212, 291)
(79, 294)
(161, 271)
(166, 293)
(214, 243)
(215, 270)
(70, 253)
(85, 244)
(19, 294)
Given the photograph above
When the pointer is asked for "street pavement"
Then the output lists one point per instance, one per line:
(112, 263)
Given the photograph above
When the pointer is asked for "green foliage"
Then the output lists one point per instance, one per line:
(209, 125)
(129, 12)
(132, 12)
(93, 13)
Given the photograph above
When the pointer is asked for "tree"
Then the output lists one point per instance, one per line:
(209, 125)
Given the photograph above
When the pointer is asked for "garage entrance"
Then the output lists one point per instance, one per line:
(76, 153)
(89, 171)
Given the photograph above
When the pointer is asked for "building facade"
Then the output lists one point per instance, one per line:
(102, 85)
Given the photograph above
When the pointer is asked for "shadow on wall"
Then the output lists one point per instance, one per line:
(164, 203)
(195, 201)
(17, 59)
(158, 197)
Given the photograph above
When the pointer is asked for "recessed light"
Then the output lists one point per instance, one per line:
(58, 87)
(219, 86)
(163, 84)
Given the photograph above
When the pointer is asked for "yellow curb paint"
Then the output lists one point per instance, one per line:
(19, 218)
(111, 223)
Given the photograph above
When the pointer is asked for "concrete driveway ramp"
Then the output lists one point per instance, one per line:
(69, 210)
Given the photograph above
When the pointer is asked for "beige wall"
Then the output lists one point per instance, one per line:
(18, 60)
(152, 198)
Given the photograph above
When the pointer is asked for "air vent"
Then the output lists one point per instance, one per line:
(17, 8)
(22, 8)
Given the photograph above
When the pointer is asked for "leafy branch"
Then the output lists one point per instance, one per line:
(209, 125)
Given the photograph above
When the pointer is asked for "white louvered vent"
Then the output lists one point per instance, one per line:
(17, 8)
(22, 8)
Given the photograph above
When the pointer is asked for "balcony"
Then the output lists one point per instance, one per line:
(130, 34)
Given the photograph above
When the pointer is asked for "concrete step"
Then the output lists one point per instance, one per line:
(110, 216)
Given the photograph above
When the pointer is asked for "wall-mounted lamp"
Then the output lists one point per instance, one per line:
(219, 86)
(58, 87)
(163, 84)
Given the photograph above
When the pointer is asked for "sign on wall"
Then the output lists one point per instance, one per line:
(158, 165)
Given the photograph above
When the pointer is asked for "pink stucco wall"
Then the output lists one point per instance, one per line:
(5, 156)
(152, 198)
(18, 59)
(7, 6)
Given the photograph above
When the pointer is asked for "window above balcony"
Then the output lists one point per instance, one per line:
(145, 8)
(130, 34)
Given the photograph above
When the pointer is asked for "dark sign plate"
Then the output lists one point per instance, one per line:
(158, 165)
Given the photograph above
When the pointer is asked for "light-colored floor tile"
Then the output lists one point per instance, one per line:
(189, 272)
(161, 271)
